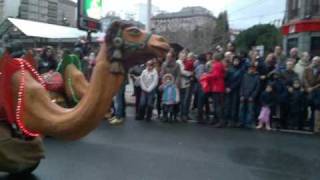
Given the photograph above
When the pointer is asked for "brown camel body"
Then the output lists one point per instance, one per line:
(43, 116)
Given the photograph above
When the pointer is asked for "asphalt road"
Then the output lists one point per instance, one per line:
(157, 151)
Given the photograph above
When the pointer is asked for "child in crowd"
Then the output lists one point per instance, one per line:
(281, 97)
(297, 105)
(248, 92)
(189, 63)
(267, 100)
(149, 80)
(170, 98)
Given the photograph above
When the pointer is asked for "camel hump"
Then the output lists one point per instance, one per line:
(67, 60)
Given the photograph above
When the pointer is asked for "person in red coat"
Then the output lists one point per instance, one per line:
(217, 87)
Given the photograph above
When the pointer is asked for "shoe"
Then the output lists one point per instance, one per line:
(240, 125)
(260, 126)
(219, 125)
(231, 125)
(184, 119)
(116, 121)
(112, 118)
(268, 127)
(149, 114)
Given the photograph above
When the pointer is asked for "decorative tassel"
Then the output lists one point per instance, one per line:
(116, 68)
(117, 54)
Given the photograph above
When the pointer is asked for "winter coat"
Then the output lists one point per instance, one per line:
(288, 77)
(250, 85)
(268, 68)
(281, 64)
(233, 78)
(171, 67)
(297, 101)
(2, 114)
(170, 94)
(200, 70)
(149, 80)
(217, 76)
(311, 78)
(185, 75)
(280, 90)
(47, 64)
(300, 68)
(189, 64)
(136, 72)
(267, 99)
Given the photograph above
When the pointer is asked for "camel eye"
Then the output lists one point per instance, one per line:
(134, 32)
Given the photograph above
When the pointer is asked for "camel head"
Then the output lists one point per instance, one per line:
(128, 45)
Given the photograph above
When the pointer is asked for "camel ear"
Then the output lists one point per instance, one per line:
(29, 58)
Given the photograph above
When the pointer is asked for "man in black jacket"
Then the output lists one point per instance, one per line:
(233, 81)
(287, 77)
(248, 93)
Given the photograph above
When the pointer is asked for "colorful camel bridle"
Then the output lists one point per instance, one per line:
(122, 46)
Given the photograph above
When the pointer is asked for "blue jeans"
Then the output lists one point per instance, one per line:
(146, 105)
(120, 102)
(185, 100)
(217, 103)
(147, 99)
(246, 112)
(231, 104)
(202, 103)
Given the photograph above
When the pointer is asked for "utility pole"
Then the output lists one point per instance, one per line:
(149, 9)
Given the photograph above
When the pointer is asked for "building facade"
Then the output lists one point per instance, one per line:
(191, 27)
(67, 13)
(109, 18)
(301, 27)
(9, 8)
(62, 12)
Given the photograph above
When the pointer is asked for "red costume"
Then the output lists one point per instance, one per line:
(10, 110)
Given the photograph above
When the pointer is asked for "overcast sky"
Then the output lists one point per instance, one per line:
(242, 13)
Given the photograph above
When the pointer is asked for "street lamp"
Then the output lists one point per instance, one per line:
(149, 8)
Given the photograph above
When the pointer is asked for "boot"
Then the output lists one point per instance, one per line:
(165, 116)
(268, 127)
(141, 114)
(260, 126)
(149, 114)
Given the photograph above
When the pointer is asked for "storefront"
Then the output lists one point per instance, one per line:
(37, 34)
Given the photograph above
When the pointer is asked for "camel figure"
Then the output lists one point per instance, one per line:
(20, 146)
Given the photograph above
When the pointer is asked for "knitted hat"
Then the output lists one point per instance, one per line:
(168, 75)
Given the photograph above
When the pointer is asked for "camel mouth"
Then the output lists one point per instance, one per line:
(160, 50)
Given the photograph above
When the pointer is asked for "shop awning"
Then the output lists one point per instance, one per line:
(44, 30)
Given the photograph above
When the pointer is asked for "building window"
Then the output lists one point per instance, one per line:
(315, 46)
(293, 9)
(315, 7)
(292, 43)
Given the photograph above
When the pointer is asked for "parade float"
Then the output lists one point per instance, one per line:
(28, 113)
